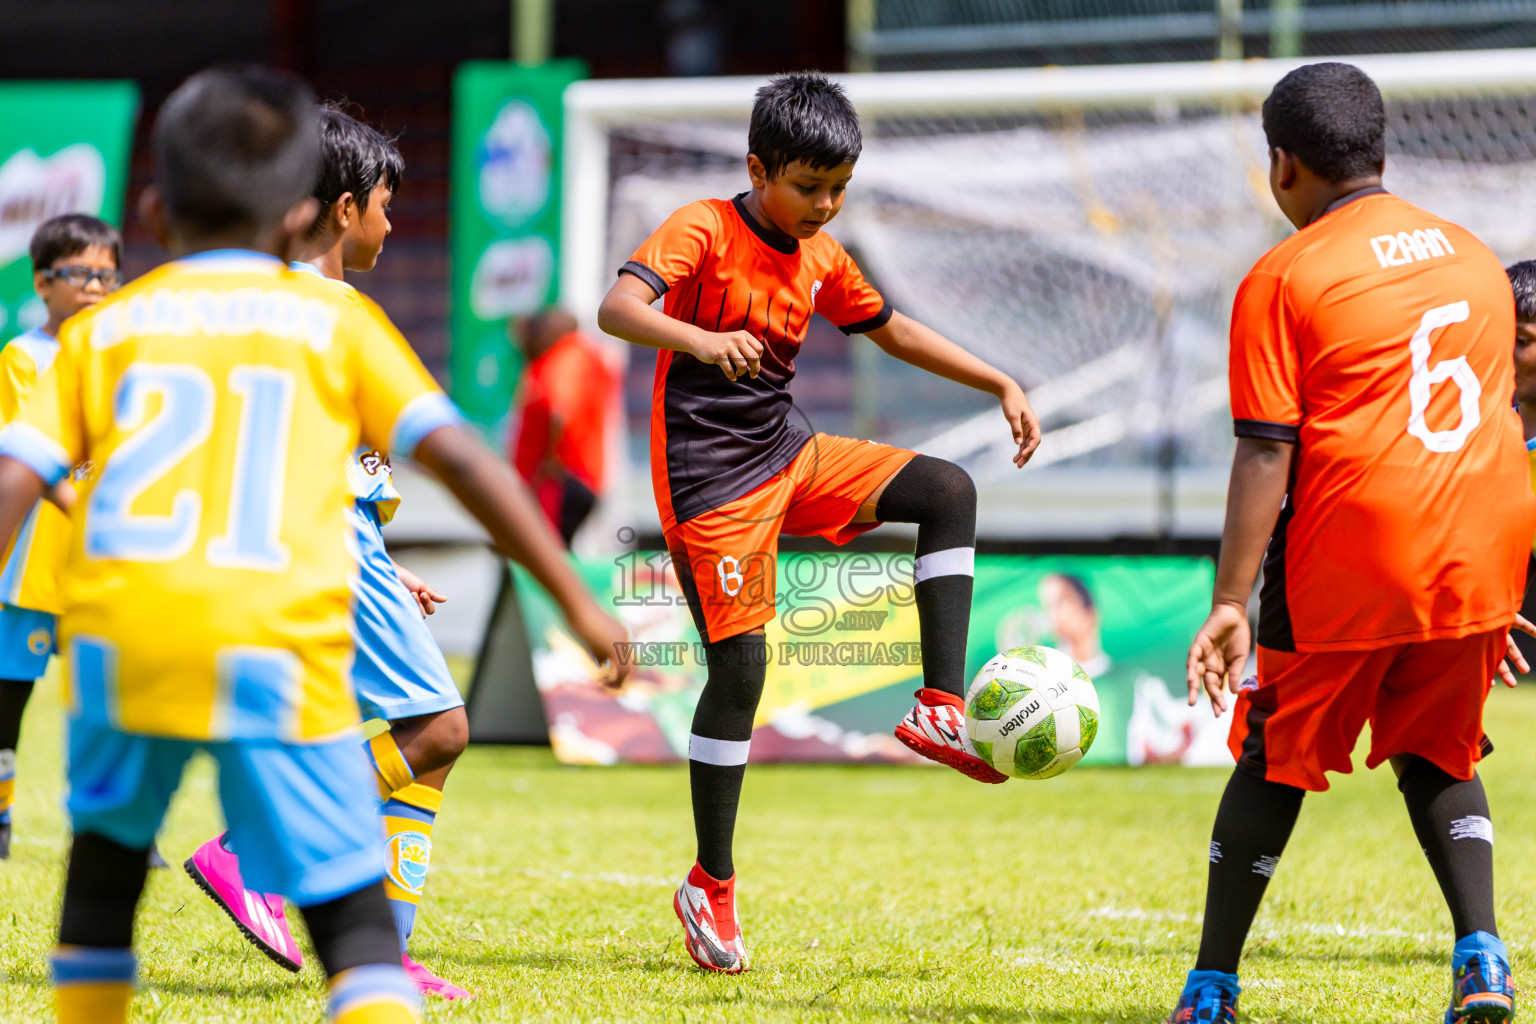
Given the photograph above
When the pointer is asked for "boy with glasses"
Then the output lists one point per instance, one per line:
(74, 265)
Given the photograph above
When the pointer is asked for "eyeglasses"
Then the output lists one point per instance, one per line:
(80, 276)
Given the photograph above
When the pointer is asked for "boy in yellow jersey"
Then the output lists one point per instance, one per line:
(400, 674)
(205, 589)
(74, 265)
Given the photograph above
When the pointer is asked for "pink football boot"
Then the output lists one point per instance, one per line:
(430, 984)
(259, 917)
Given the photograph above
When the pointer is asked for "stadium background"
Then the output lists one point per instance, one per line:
(1151, 486)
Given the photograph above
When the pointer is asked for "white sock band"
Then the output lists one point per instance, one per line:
(718, 752)
(949, 562)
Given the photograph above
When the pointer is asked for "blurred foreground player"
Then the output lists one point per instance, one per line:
(206, 595)
(74, 265)
(1379, 459)
(561, 428)
(399, 671)
(732, 469)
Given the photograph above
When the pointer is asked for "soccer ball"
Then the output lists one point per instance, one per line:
(1032, 712)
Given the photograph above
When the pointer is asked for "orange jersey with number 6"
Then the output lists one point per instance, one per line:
(1377, 341)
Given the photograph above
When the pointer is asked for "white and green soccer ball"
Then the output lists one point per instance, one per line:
(1032, 712)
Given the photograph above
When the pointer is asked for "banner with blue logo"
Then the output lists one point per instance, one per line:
(505, 221)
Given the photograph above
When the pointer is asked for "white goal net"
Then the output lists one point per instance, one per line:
(1083, 228)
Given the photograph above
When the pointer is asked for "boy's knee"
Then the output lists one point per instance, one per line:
(925, 486)
(431, 742)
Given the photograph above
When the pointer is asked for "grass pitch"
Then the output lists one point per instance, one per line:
(868, 894)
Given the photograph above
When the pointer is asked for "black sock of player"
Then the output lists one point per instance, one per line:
(14, 694)
(101, 890)
(722, 735)
(1450, 817)
(941, 499)
(353, 930)
(1252, 826)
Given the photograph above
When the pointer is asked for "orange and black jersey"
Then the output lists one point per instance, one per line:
(714, 439)
(1377, 341)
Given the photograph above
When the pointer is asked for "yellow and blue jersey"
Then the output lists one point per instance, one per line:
(205, 588)
(29, 568)
(367, 469)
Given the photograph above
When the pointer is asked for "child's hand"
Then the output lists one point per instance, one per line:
(1025, 424)
(1512, 653)
(601, 634)
(737, 352)
(425, 596)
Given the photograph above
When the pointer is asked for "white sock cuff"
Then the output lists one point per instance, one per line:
(724, 753)
(949, 562)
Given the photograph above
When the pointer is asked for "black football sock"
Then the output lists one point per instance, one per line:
(14, 694)
(941, 499)
(353, 930)
(1450, 817)
(13, 701)
(722, 735)
(1252, 826)
(101, 890)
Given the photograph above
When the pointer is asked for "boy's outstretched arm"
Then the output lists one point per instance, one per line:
(627, 313)
(927, 349)
(1261, 472)
(492, 493)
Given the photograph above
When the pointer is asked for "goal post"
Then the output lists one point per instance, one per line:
(1084, 227)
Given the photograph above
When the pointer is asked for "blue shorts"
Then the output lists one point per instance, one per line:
(26, 641)
(305, 818)
(400, 671)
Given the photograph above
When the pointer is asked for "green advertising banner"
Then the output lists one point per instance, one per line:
(63, 149)
(845, 657)
(505, 221)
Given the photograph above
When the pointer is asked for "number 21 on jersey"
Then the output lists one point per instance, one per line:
(156, 445)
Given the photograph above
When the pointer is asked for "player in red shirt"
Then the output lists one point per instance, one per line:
(1380, 461)
(732, 468)
(562, 417)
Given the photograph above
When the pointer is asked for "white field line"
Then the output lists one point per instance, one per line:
(1270, 926)
(610, 877)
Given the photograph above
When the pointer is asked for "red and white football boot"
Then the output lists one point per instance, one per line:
(711, 933)
(935, 728)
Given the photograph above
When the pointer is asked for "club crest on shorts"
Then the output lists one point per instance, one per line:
(409, 855)
(40, 641)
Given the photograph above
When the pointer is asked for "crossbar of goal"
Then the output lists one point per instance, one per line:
(592, 108)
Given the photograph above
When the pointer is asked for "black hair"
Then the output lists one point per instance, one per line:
(354, 157)
(235, 148)
(1522, 278)
(70, 234)
(1331, 118)
(805, 116)
(1078, 587)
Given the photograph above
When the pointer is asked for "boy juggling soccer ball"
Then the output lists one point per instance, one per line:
(399, 671)
(732, 469)
(1379, 459)
(205, 588)
(74, 266)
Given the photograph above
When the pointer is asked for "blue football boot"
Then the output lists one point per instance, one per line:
(1481, 987)
(1209, 997)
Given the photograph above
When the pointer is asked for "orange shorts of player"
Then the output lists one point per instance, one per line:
(1307, 710)
(726, 558)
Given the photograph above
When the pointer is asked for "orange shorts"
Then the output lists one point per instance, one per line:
(1307, 710)
(726, 558)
